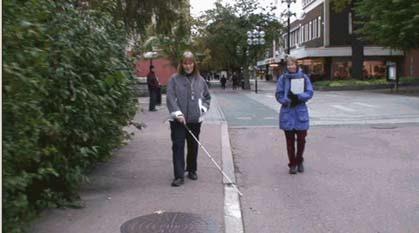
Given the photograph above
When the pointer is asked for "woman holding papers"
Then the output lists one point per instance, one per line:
(293, 90)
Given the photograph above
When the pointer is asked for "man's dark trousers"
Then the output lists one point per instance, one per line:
(153, 99)
(178, 136)
(158, 96)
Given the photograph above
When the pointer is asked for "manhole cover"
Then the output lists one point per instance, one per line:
(169, 222)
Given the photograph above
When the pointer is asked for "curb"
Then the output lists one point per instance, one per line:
(232, 210)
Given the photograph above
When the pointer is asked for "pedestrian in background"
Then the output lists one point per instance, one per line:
(153, 87)
(223, 81)
(188, 99)
(293, 90)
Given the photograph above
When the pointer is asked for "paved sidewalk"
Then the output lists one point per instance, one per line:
(356, 179)
(136, 182)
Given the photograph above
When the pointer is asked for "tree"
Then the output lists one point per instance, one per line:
(339, 5)
(222, 33)
(174, 43)
(138, 14)
(66, 96)
(389, 23)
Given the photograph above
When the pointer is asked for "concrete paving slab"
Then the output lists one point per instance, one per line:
(357, 179)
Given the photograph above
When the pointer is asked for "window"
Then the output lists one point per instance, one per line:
(307, 2)
(292, 39)
(310, 31)
(301, 34)
(350, 23)
(306, 32)
(320, 26)
(315, 28)
(296, 36)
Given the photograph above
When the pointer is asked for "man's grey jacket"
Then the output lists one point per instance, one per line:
(188, 96)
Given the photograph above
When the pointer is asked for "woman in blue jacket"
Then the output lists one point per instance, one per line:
(293, 115)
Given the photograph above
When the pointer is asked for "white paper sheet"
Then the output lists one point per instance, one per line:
(297, 85)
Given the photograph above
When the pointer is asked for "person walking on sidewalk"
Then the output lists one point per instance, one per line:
(293, 90)
(188, 99)
(223, 81)
(153, 86)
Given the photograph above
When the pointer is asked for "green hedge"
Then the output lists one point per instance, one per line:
(363, 83)
(66, 96)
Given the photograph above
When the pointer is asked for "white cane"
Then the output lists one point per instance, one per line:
(212, 159)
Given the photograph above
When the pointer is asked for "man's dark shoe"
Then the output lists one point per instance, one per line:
(177, 182)
(300, 168)
(192, 175)
(152, 110)
(293, 170)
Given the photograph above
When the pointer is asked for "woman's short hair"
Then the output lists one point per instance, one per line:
(291, 59)
(188, 56)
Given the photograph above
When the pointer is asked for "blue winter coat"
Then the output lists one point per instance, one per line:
(293, 118)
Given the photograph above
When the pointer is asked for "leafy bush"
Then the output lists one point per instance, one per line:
(363, 83)
(66, 96)
(350, 83)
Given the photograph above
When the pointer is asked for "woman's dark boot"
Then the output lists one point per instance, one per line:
(293, 170)
(300, 168)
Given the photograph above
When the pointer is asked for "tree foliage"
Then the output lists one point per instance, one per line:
(66, 96)
(222, 33)
(137, 15)
(339, 5)
(172, 44)
(389, 23)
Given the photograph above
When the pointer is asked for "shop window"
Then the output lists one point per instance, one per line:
(313, 67)
(374, 69)
(341, 69)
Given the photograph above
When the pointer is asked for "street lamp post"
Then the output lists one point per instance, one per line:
(289, 14)
(255, 38)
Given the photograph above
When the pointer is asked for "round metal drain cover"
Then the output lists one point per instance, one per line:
(169, 222)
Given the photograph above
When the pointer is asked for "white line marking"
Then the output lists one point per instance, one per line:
(366, 105)
(244, 118)
(343, 108)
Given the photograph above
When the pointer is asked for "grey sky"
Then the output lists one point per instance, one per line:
(198, 6)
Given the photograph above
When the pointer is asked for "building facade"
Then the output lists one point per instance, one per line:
(324, 43)
(162, 67)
